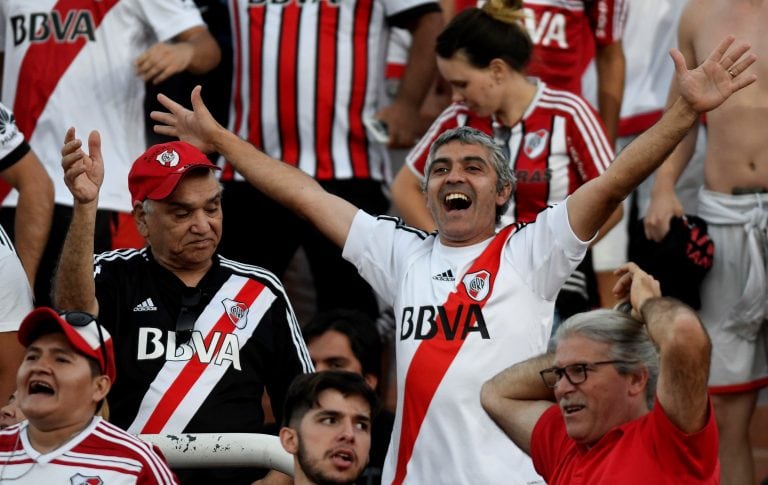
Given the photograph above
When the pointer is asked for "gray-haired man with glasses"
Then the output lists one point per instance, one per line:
(631, 394)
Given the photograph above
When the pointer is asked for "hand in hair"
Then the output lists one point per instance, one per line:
(636, 285)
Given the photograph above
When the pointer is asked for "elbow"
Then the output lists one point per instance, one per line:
(488, 398)
(688, 336)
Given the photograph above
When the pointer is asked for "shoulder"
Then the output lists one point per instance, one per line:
(253, 272)
(117, 443)
(567, 103)
(128, 256)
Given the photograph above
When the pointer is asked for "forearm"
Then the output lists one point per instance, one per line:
(592, 204)
(669, 172)
(74, 285)
(409, 200)
(611, 64)
(516, 398)
(206, 53)
(684, 354)
(422, 66)
(32, 226)
(288, 186)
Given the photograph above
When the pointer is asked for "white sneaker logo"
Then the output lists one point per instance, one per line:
(145, 306)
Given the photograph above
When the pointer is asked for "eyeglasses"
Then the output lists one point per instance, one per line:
(185, 322)
(575, 373)
(83, 319)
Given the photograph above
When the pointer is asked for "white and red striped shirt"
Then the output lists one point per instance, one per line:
(558, 145)
(71, 63)
(565, 34)
(100, 454)
(463, 314)
(306, 76)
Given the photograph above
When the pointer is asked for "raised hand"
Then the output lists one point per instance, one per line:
(196, 126)
(718, 77)
(83, 172)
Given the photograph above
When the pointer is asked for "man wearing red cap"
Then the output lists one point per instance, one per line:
(68, 369)
(198, 337)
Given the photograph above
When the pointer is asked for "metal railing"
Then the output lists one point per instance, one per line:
(206, 450)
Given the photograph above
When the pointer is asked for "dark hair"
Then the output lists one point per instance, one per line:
(484, 34)
(358, 327)
(305, 390)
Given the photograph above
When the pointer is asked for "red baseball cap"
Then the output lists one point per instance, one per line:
(157, 172)
(81, 329)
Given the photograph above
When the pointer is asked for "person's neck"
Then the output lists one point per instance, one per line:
(47, 440)
(521, 93)
(190, 276)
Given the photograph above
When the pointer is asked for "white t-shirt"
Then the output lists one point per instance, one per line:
(508, 319)
(76, 68)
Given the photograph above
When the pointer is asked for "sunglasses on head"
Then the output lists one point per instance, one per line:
(83, 319)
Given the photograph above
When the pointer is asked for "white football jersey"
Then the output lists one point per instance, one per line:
(73, 65)
(463, 314)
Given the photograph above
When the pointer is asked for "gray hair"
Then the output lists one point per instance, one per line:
(626, 337)
(472, 136)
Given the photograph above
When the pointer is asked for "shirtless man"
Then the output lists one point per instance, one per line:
(734, 200)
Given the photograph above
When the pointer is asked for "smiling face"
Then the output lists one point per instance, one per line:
(605, 400)
(462, 195)
(477, 88)
(184, 229)
(56, 385)
(332, 441)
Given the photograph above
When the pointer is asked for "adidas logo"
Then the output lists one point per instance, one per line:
(444, 276)
(145, 306)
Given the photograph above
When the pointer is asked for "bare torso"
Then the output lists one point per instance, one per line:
(737, 139)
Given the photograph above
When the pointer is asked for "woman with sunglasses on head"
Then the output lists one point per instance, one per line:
(554, 140)
(67, 371)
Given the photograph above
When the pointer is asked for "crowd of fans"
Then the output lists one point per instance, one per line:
(487, 326)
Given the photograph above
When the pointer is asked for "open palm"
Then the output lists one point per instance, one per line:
(720, 75)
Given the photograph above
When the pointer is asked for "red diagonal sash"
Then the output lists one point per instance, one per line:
(434, 356)
(193, 369)
(45, 62)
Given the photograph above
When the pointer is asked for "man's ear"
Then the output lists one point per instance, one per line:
(289, 440)
(638, 381)
(139, 217)
(504, 194)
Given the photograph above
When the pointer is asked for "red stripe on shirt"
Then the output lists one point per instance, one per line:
(193, 369)
(325, 95)
(45, 62)
(358, 142)
(434, 356)
(287, 83)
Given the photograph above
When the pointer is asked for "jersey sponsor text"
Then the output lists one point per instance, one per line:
(422, 324)
(221, 346)
(42, 26)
